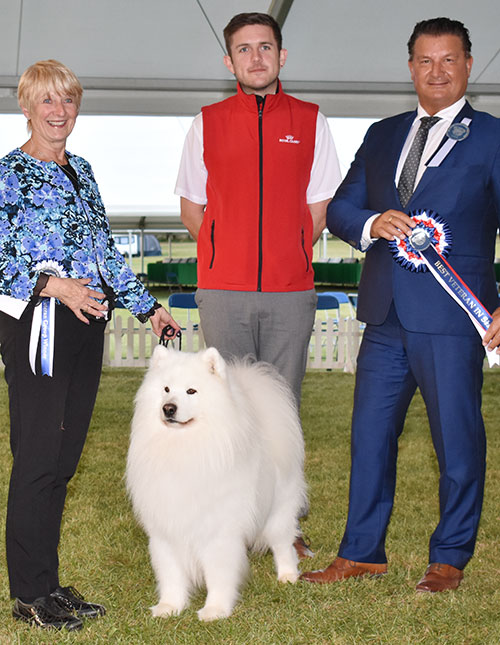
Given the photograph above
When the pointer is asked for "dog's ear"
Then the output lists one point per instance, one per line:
(215, 362)
(157, 355)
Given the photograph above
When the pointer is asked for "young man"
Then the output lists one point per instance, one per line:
(416, 334)
(257, 173)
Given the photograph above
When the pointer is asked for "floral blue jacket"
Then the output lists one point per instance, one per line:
(45, 222)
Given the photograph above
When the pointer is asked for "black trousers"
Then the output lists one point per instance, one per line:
(49, 419)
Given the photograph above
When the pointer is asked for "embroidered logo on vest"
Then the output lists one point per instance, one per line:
(289, 138)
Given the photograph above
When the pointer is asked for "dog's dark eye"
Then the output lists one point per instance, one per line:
(167, 389)
(190, 391)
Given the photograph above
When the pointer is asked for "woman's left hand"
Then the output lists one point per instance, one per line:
(160, 319)
(74, 293)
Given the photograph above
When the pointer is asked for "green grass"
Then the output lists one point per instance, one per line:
(185, 247)
(104, 553)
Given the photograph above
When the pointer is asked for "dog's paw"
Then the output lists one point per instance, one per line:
(288, 576)
(164, 609)
(212, 612)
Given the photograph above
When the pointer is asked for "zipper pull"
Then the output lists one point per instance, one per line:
(260, 103)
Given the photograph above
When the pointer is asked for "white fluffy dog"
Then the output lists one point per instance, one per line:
(215, 466)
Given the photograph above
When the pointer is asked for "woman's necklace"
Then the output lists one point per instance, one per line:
(31, 149)
(70, 173)
(41, 152)
(68, 170)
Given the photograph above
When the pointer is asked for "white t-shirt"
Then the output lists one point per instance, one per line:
(325, 171)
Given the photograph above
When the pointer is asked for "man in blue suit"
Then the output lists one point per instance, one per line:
(416, 334)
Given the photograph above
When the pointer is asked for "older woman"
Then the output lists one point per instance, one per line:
(59, 272)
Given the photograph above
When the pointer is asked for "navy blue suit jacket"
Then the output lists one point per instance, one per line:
(464, 190)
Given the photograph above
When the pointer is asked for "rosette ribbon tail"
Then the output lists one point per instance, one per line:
(43, 327)
(426, 249)
(453, 284)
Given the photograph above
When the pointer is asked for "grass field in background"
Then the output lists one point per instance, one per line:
(104, 553)
(185, 247)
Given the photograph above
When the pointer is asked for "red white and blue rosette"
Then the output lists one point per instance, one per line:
(430, 229)
(426, 249)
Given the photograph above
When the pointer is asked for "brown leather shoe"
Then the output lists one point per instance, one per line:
(440, 577)
(302, 548)
(341, 568)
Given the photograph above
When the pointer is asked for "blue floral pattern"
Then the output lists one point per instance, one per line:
(44, 219)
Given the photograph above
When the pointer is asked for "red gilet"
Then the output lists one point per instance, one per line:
(256, 233)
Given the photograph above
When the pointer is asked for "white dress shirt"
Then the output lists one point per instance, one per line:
(436, 134)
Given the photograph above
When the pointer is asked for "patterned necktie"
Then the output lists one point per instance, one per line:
(408, 174)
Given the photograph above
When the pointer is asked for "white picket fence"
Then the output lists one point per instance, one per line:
(334, 344)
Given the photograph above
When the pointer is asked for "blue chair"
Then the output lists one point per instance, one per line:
(343, 299)
(183, 300)
(331, 308)
(328, 302)
(353, 297)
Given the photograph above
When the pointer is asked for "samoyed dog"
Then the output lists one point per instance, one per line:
(215, 466)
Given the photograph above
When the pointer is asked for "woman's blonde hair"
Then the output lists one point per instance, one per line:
(44, 77)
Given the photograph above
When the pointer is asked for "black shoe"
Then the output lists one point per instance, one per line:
(45, 612)
(71, 600)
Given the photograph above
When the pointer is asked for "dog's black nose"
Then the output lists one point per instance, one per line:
(169, 410)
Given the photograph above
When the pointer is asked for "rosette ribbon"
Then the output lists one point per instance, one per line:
(43, 324)
(426, 249)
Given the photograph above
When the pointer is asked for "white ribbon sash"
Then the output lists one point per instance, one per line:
(43, 329)
(43, 324)
(425, 249)
(445, 149)
(451, 282)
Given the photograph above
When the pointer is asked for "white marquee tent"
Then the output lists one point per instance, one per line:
(165, 56)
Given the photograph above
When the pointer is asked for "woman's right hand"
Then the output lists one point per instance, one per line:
(76, 295)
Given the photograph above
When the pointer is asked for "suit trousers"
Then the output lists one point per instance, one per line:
(49, 419)
(448, 370)
(271, 327)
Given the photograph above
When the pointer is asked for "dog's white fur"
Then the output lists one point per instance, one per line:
(223, 474)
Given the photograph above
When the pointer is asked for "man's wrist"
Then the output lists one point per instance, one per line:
(366, 238)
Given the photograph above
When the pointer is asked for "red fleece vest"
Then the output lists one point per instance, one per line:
(257, 228)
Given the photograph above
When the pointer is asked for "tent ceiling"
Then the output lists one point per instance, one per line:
(165, 56)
